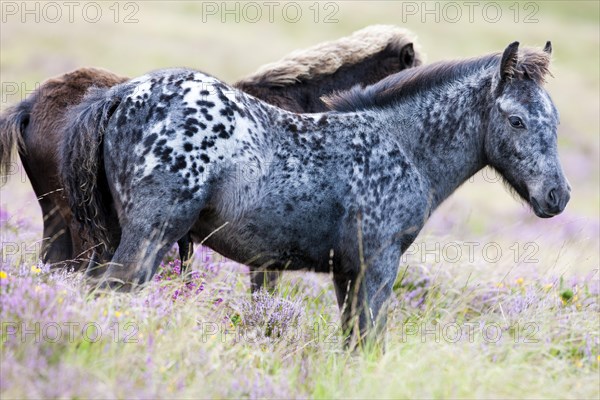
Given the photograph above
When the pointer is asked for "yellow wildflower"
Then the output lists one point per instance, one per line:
(61, 297)
(118, 314)
(500, 285)
(3, 275)
(35, 269)
(520, 281)
(105, 313)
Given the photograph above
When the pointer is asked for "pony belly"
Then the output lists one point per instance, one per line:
(263, 247)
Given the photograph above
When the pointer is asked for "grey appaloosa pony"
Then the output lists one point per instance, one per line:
(343, 192)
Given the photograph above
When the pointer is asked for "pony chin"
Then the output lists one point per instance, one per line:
(521, 194)
(537, 210)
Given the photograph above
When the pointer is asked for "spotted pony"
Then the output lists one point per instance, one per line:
(344, 192)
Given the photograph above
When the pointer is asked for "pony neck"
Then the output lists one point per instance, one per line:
(445, 132)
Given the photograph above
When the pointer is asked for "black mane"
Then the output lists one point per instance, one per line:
(531, 64)
(406, 83)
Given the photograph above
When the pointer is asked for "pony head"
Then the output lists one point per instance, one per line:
(521, 142)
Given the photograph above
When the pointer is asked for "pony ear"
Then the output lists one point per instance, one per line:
(548, 47)
(407, 55)
(509, 62)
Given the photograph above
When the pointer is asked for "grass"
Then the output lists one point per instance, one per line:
(468, 325)
(455, 330)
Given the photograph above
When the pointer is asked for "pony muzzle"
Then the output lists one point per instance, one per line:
(552, 202)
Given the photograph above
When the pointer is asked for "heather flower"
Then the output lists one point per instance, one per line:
(270, 314)
(413, 287)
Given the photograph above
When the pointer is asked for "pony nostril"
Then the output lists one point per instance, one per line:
(552, 200)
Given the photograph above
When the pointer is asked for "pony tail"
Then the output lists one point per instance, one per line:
(12, 124)
(82, 161)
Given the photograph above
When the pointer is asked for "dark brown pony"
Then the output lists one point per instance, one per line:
(296, 83)
(35, 127)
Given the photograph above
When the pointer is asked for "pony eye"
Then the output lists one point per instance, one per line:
(516, 122)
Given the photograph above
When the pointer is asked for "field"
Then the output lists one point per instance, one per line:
(490, 301)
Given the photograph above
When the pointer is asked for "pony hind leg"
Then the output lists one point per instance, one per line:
(148, 233)
(136, 258)
(186, 250)
(57, 248)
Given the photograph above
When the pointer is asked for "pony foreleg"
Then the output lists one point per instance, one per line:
(266, 279)
(362, 297)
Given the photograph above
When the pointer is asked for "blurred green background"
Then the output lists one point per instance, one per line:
(230, 40)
